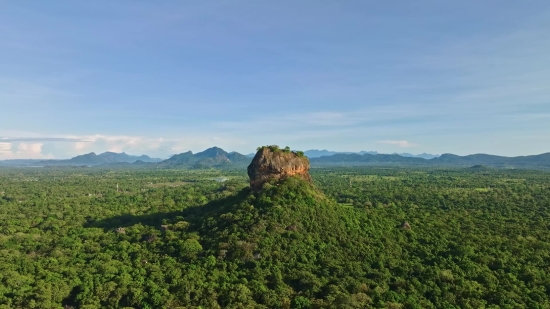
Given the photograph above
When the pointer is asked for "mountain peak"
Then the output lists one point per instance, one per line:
(211, 157)
(212, 152)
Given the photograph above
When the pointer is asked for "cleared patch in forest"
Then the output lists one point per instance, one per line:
(369, 178)
(168, 184)
(347, 205)
(482, 189)
(468, 189)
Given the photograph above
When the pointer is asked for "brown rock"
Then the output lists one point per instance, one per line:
(272, 163)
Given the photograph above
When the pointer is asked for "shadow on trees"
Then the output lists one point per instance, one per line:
(190, 214)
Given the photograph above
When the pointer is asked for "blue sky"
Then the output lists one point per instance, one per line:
(163, 77)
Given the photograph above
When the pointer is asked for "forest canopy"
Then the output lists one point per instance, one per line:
(83, 238)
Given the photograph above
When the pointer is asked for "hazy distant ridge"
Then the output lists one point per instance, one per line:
(542, 160)
(105, 158)
(315, 153)
(216, 157)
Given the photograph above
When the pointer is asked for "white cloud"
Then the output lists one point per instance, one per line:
(404, 144)
(22, 151)
(30, 149)
(5, 148)
(39, 139)
(148, 145)
(70, 146)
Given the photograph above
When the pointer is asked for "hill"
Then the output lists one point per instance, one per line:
(284, 246)
(287, 241)
(211, 157)
(542, 160)
(92, 159)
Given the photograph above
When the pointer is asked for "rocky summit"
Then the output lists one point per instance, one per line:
(273, 164)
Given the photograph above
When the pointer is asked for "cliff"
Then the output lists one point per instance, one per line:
(271, 163)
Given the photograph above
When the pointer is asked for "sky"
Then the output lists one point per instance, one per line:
(164, 77)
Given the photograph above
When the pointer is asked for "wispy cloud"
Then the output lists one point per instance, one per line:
(42, 139)
(13, 88)
(404, 144)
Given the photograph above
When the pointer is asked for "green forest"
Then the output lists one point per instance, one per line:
(364, 237)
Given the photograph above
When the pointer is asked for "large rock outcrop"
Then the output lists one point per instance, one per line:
(271, 163)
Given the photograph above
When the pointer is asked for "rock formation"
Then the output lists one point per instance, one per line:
(271, 163)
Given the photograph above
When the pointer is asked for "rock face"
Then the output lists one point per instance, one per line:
(269, 164)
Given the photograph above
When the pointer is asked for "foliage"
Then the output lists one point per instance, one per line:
(275, 148)
(134, 238)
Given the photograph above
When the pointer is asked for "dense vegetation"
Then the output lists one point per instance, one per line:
(95, 238)
(275, 148)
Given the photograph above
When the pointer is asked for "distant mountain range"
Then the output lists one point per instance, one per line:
(218, 158)
(92, 159)
(314, 153)
(542, 160)
(21, 162)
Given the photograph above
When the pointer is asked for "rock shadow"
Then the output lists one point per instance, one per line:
(191, 214)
